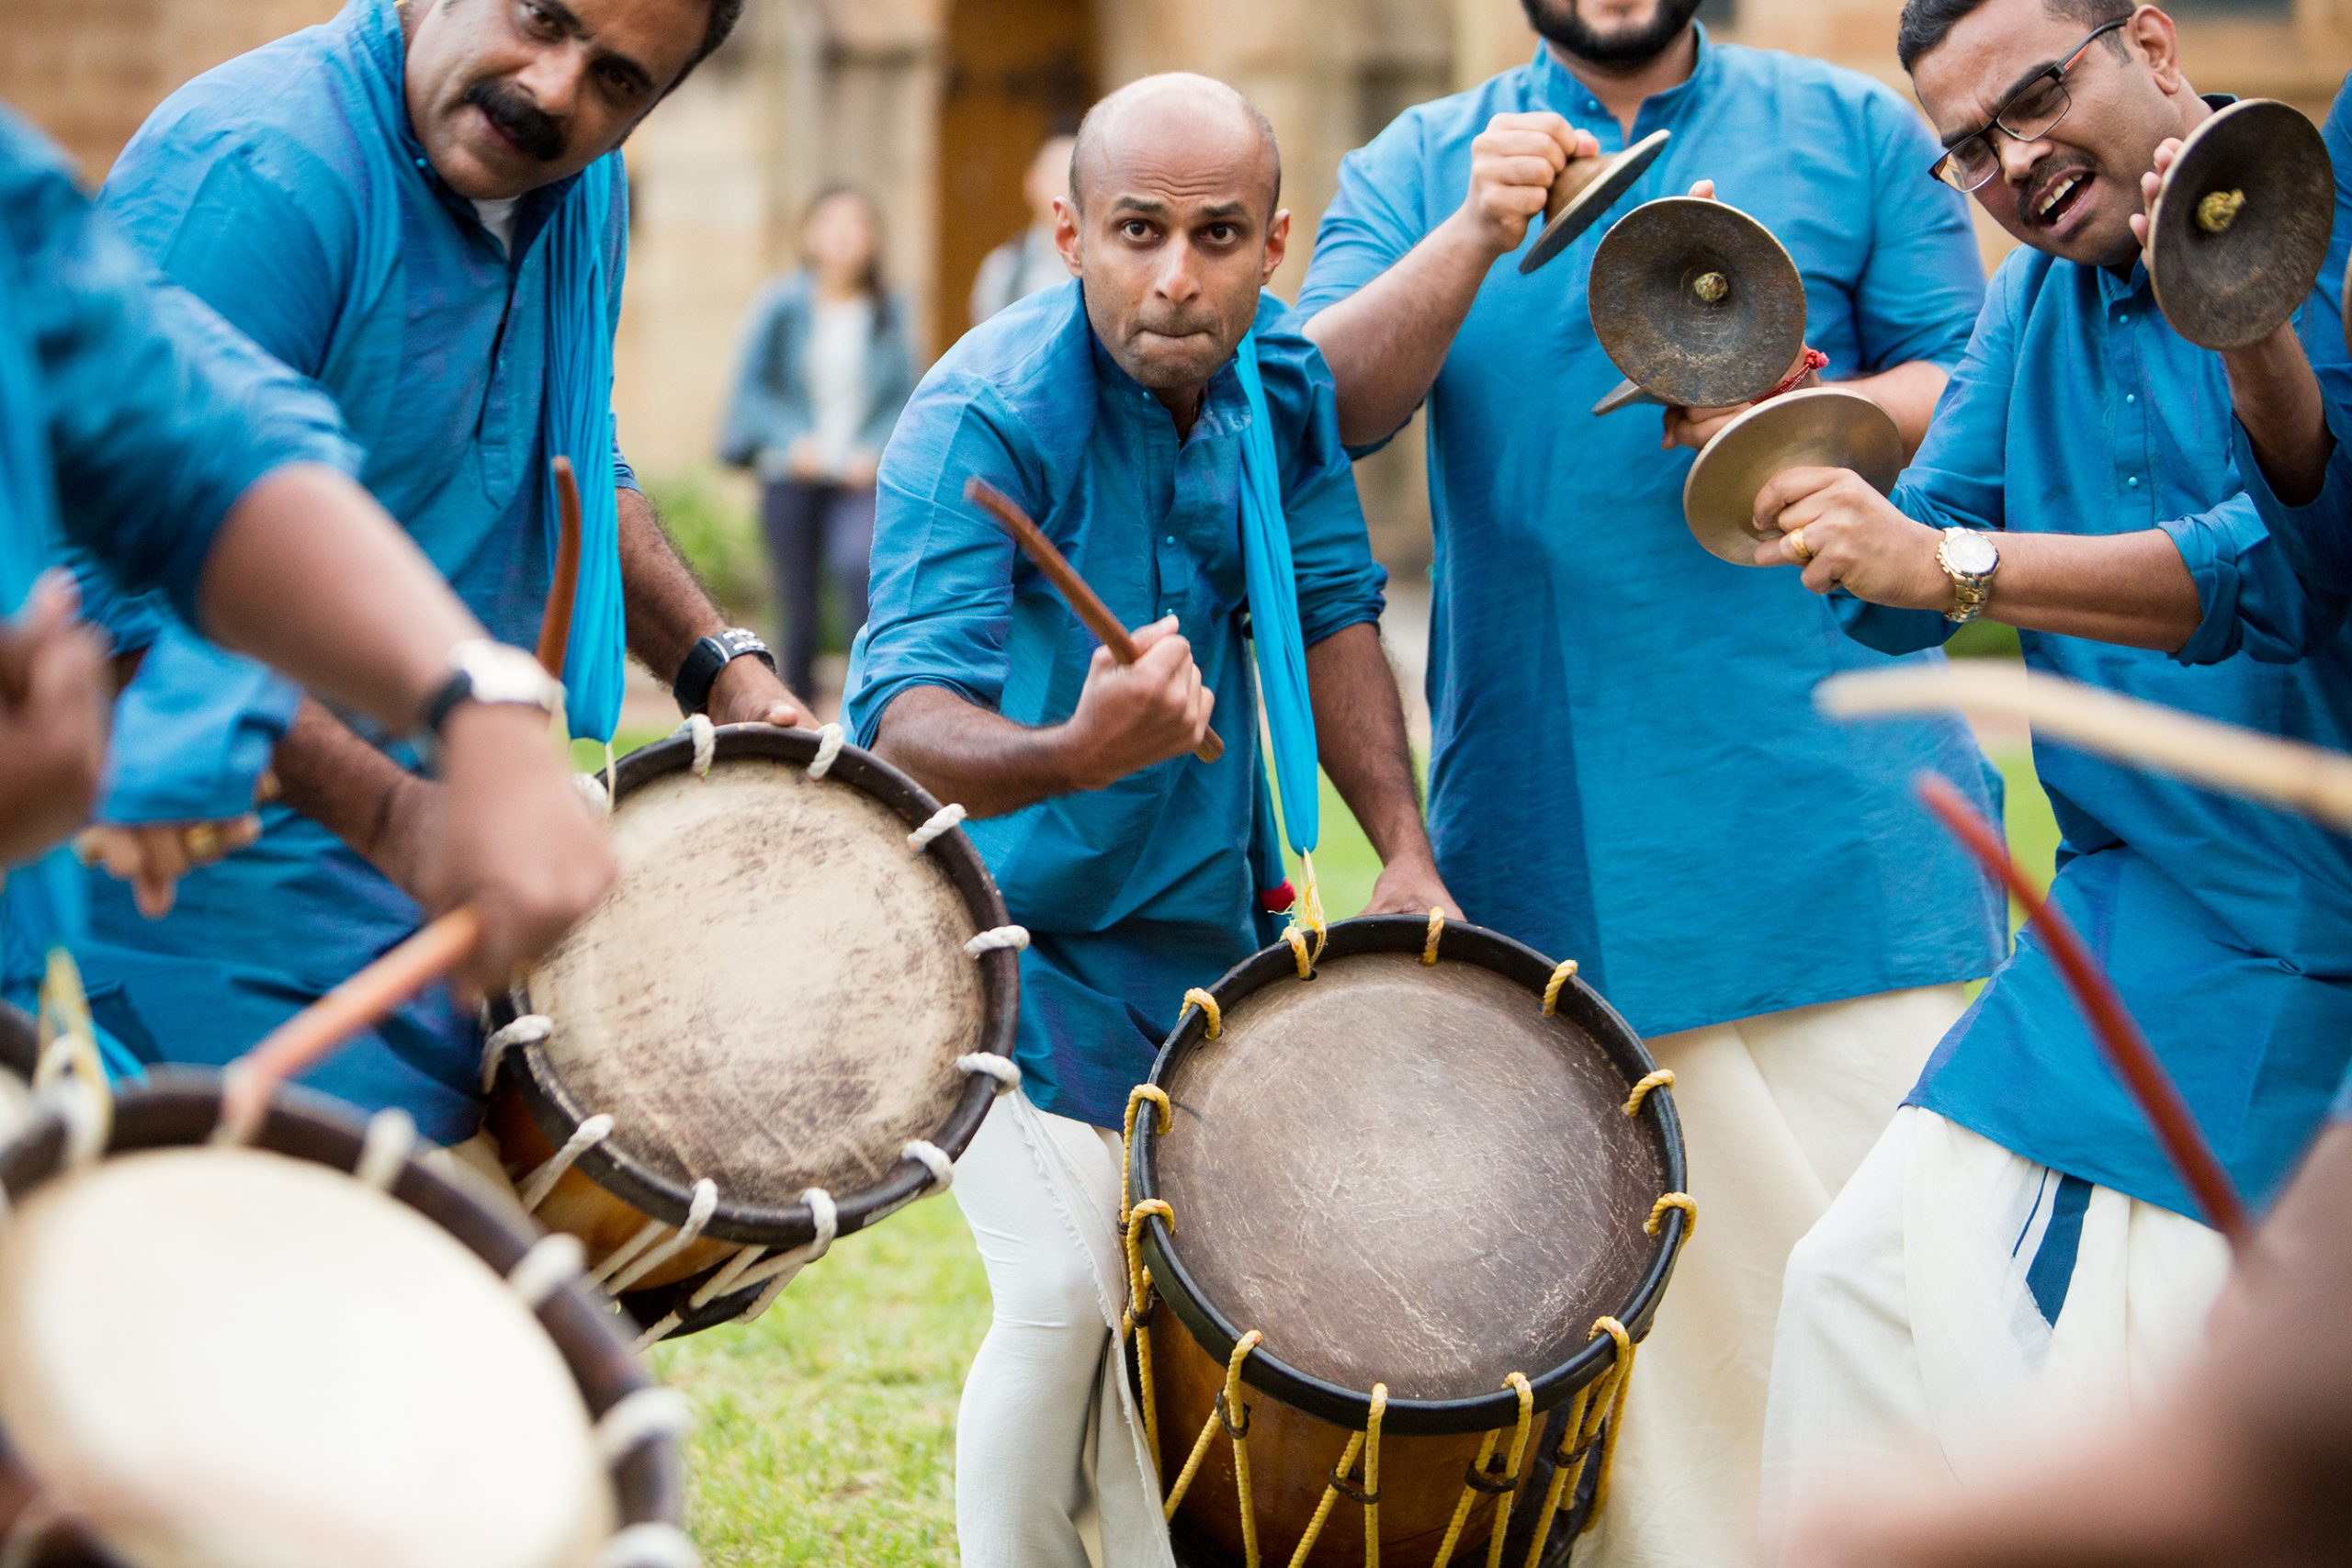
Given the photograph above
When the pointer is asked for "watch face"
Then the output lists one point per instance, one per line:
(1969, 551)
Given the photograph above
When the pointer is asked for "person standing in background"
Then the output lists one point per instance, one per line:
(827, 367)
(1028, 264)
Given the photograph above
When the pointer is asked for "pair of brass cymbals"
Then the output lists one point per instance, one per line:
(1826, 427)
(1696, 304)
(2240, 228)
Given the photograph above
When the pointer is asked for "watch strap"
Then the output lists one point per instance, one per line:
(700, 670)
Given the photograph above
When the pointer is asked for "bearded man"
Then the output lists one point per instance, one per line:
(1627, 767)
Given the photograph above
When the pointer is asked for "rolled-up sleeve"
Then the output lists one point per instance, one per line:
(2252, 600)
(194, 733)
(160, 417)
(940, 595)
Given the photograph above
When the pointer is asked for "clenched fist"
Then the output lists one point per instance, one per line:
(1513, 163)
(1132, 716)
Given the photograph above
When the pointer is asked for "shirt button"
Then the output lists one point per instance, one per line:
(2124, 317)
(2130, 396)
(2133, 481)
(1170, 540)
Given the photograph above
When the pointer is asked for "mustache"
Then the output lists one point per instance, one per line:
(534, 129)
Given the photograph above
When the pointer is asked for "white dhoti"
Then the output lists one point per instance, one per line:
(1051, 1466)
(1960, 1305)
(1777, 1112)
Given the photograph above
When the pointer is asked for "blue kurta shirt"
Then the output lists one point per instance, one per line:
(2226, 926)
(1628, 767)
(1133, 893)
(2317, 535)
(131, 422)
(288, 190)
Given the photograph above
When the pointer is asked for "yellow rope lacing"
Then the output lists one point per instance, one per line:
(1662, 1078)
(1136, 1098)
(1234, 1416)
(1437, 930)
(1481, 1477)
(1197, 997)
(68, 1038)
(1365, 1445)
(1682, 1201)
(1596, 1420)
(1138, 1312)
(1306, 920)
(1560, 976)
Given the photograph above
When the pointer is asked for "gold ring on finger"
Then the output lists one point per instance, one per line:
(203, 841)
(1794, 540)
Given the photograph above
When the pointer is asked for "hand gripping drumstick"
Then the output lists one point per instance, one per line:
(312, 1034)
(2309, 779)
(1064, 576)
(2128, 1051)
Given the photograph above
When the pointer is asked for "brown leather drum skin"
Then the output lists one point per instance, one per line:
(772, 998)
(1398, 1174)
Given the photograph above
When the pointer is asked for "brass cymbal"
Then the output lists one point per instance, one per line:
(1586, 188)
(1820, 427)
(1696, 303)
(2240, 229)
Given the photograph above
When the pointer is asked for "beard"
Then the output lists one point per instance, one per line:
(1560, 23)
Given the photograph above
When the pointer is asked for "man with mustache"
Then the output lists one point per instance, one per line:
(1627, 769)
(2018, 1247)
(1116, 410)
(422, 208)
(133, 425)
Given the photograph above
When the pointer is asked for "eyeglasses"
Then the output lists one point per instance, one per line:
(2028, 115)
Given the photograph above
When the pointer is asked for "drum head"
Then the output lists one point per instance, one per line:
(776, 992)
(1408, 1175)
(225, 1358)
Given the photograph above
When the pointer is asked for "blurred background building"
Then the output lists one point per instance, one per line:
(935, 107)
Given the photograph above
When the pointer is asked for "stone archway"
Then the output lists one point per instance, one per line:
(1012, 72)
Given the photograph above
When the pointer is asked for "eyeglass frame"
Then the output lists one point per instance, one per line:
(2055, 73)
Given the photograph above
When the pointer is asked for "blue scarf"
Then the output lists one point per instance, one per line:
(577, 423)
(1280, 644)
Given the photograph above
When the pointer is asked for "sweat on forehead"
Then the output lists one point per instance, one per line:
(1176, 109)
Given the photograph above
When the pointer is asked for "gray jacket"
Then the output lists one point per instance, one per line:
(770, 409)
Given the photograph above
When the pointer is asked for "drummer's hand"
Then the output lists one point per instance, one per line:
(1856, 537)
(1409, 884)
(748, 691)
(56, 705)
(515, 839)
(1131, 717)
(153, 857)
(1695, 427)
(2152, 184)
(1513, 163)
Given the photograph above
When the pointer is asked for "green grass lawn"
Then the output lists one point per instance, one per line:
(825, 1432)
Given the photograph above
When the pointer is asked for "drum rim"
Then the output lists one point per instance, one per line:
(20, 1042)
(1331, 1401)
(780, 1226)
(178, 1107)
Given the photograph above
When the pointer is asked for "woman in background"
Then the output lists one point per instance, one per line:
(827, 367)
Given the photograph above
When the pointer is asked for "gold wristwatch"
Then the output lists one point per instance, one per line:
(1969, 558)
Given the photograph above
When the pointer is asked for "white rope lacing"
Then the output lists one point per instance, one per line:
(933, 1158)
(592, 789)
(788, 1266)
(540, 1182)
(531, 1029)
(239, 1119)
(1001, 1069)
(698, 1212)
(938, 825)
(553, 1262)
(829, 741)
(1014, 937)
(639, 1419)
(383, 1152)
(650, 1546)
(705, 736)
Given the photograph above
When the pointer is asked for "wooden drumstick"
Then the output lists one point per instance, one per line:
(1083, 600)
(555, 628)
(364, 999)
(307, 1038)
(2309, 779)
(2127, 1049)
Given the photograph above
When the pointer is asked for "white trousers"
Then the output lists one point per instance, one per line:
(1777, 1112)
(1910, 1333)
(1051, 1467)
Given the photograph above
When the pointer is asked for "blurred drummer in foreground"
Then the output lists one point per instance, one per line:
(134, 426)
(422, 208)
(2018, 1247)
(1628, 769)
(1111, 410)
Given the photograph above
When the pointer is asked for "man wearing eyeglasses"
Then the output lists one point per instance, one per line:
(2017, 1247)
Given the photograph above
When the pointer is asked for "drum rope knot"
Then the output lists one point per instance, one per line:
(1006, 1071)
(936, 827)
(1236, 1427)
(705, 736)
(1482, 1477)
(1662, 1077)
(829, 741)
(1437, 930)
(1682, 1201)
(1366, 1446)
(1141, 1094)
(530, 1029)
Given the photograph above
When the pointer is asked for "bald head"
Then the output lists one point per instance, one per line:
(1175, 116)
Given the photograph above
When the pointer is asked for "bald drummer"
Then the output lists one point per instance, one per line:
(2018, 1246)
(1111, 409)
